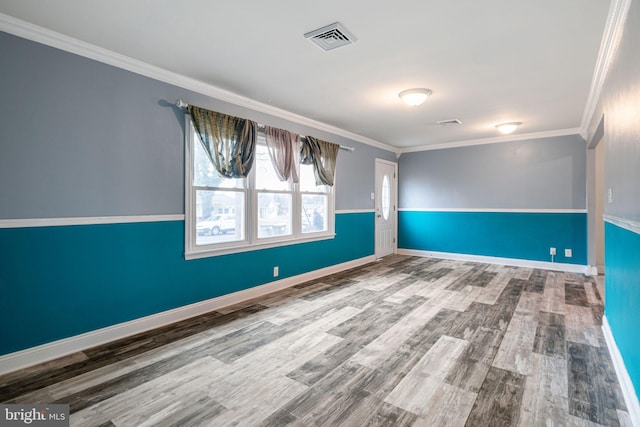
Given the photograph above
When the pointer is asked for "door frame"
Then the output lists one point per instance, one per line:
(595, 149)
(394, 204)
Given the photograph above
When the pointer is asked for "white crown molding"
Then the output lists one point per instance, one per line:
(628, 391)
(53, 350)
(514, 262)
(56, 222)
(610, 40)
(493, 140)
(626, 223)
(492, 210)
(51, 38)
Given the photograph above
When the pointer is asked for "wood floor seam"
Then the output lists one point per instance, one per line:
(403, 341)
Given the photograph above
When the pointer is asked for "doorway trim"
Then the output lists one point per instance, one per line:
(592, 180)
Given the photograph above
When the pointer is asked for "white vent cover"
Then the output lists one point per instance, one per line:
(330, 37)
(449, 122)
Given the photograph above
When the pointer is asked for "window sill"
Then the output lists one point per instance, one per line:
(208, 252)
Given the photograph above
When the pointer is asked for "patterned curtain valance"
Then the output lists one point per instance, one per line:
(323, 156)
(284, 150)
(228, 141)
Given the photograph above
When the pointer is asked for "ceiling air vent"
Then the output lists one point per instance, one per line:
(449, 122)
(330, 37)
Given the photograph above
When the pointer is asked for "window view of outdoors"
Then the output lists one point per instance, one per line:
(220, 203)
(314, 208)
(275, 198)
(279, 208)
(314, 202)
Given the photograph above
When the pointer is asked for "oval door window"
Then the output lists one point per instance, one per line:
(386, 197)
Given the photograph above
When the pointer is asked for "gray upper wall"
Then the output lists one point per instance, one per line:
(621, 104)
(79, 138)
(548, 173)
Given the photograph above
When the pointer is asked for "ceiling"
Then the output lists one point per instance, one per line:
(486, 62)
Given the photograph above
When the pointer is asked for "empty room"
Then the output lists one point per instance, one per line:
(284, 213)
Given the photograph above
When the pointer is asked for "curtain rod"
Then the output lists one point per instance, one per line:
(181, 104)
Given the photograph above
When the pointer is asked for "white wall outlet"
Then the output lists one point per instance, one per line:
(276, 271)
(552, 251)
(610, 195)
(373, 196)
(568, 253)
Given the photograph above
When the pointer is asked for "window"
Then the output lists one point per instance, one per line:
(219, 203)
(224, 215)
(386, 197)
(275, 197)
(315, 200)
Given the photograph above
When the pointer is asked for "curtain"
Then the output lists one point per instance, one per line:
(322, 155)
(228, 141)
(284, 150)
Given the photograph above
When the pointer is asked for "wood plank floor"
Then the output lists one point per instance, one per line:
(404, 341)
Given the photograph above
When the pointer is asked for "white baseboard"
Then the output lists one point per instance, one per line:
(53, 350)
(628, 391)
(557, 266)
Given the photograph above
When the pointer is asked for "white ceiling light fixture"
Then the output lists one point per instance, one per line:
(507, 128)
(415, 97)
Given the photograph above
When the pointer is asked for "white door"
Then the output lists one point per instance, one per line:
(385, 207)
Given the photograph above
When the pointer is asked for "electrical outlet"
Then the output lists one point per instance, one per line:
(568, 253)
(276, 271)
(610, 195)
(552, 251)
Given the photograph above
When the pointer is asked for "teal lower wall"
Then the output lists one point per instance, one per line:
(515, 235)
(622, 294)
(57, 282)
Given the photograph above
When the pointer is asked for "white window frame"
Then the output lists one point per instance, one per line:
(251, 241)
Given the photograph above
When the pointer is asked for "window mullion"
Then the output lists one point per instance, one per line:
(295, 223)
(189, 205)
(252, 196)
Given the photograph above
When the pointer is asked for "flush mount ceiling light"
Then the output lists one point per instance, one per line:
(506, 128)
(414, 97)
